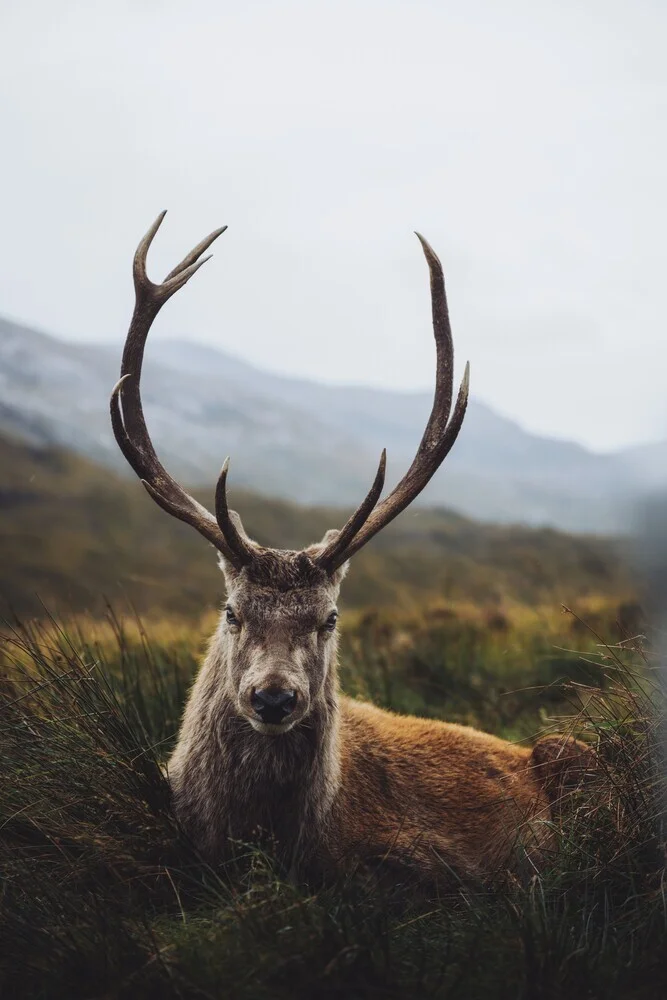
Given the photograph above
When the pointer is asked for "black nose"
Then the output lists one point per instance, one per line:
(273, 705)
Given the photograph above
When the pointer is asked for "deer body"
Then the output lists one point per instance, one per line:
(348, 782)
(433, 796)
(268, 746)
(365, 785)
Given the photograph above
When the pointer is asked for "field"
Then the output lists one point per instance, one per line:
(104, 898)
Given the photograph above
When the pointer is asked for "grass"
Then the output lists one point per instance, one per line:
(103, 897)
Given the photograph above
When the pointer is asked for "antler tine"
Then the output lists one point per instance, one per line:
(440, 433)
(127, 416)
(117, 424)
(195, 254)
(140, 254)
(444, 345)
(328, 558)
(235, 540)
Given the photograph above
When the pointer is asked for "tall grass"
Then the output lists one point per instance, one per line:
(104, 897)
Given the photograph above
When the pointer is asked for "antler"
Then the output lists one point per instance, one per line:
(440, 434)
(127, 416)
(129, 425)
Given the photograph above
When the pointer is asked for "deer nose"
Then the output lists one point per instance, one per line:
(273, 705)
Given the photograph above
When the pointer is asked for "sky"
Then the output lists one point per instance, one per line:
(526, 141)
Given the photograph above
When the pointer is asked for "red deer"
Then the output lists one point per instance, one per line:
(268, 742)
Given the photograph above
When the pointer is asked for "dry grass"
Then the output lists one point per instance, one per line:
(103, 897)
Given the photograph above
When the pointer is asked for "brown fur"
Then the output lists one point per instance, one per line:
(348, 783)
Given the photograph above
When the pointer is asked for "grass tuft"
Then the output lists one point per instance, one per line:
(102, 896)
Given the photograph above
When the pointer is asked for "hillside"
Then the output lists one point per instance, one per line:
(73, 534)
(305, 441)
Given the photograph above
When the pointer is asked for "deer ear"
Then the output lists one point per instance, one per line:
(329, 536)
(230, 572)
(339, 574)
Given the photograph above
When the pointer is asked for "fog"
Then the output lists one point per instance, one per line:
(526, 141)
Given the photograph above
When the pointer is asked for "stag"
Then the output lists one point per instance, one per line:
(268, 746)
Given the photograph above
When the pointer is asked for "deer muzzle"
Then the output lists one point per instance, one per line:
(273, 706)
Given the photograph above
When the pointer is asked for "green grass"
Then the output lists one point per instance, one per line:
(103, 897)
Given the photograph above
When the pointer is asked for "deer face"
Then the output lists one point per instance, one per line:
(279, 632)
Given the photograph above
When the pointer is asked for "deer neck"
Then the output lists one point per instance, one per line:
(232, 783)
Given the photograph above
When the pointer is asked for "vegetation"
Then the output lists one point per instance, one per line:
(74, 535)
(103, 897)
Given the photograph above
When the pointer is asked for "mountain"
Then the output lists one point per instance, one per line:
(74, 534)
(303, 440)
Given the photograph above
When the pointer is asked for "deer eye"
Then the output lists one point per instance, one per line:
(231, 617)
(330, 623)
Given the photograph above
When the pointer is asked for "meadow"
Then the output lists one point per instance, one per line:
(103, 897)
(107, 605)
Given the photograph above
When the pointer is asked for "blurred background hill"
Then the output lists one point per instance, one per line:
(74, 534)
(309, 442)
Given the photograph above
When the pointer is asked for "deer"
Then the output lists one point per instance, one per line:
(268, 745)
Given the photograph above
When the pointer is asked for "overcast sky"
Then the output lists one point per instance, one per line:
(526, 140)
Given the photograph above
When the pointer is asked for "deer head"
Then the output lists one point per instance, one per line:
(277, 632)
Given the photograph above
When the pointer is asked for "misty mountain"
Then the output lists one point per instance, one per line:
(306, 441)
